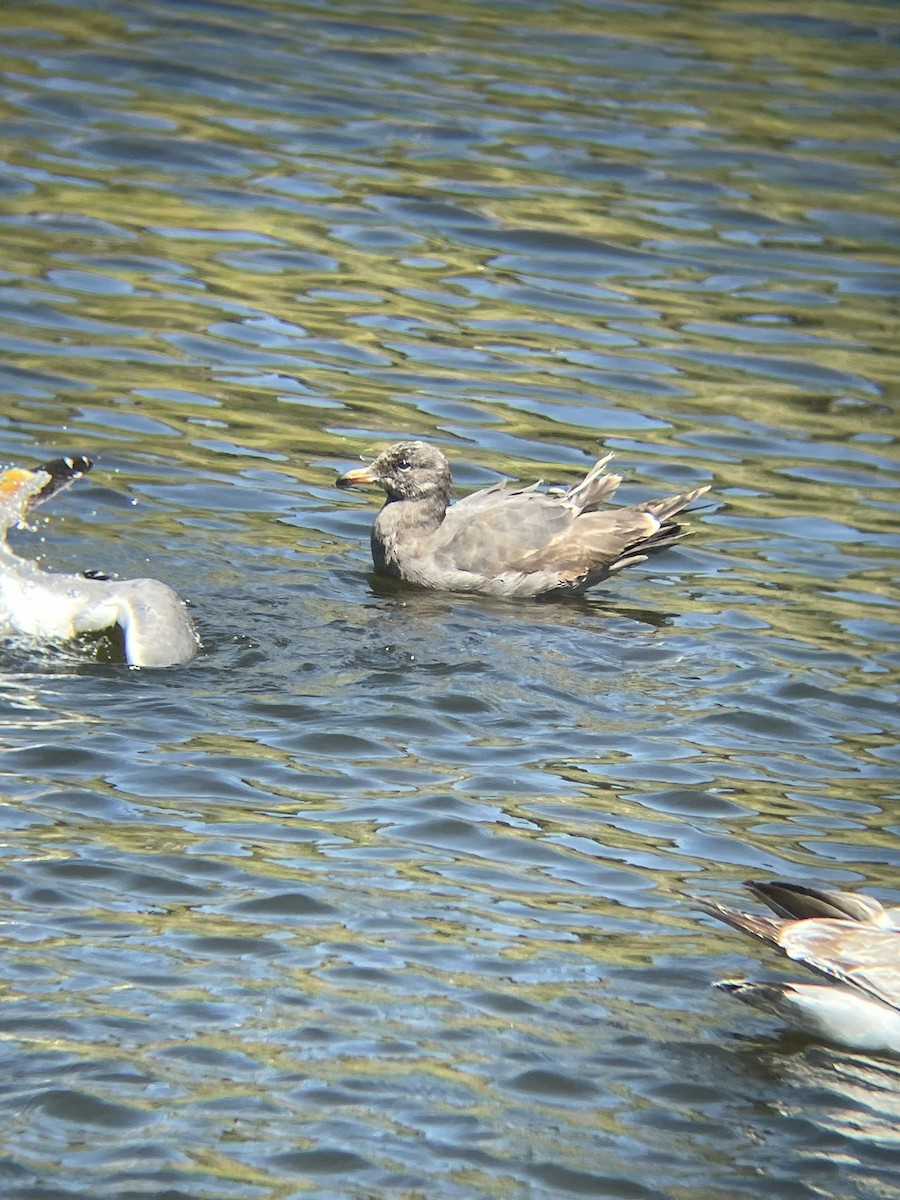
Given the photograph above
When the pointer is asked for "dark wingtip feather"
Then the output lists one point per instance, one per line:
(796, 901)
(62, 472)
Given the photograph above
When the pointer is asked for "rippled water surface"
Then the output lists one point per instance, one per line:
(390, 894)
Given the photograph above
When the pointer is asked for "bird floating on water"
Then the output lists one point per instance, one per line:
(846, 936)
(511, 542)
(157, 629)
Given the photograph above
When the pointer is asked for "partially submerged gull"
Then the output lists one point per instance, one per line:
(848, 937)
(507, 542)
(157, 629)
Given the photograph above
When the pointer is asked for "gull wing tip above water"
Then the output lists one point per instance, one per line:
(797, 901)
(848, 937)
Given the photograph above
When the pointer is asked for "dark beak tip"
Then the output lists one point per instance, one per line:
(354, 478)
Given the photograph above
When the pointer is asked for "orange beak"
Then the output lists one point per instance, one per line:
(357, 475)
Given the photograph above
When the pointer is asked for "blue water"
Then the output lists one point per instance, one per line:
(389, 894)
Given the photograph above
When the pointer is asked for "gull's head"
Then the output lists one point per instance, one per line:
(406, 471)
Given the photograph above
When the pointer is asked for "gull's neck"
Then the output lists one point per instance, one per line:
(401, 525)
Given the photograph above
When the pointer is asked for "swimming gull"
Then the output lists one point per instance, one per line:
(507, 542)
(157, 629)
(848, 937)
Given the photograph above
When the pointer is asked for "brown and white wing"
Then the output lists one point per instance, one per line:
(858, 956)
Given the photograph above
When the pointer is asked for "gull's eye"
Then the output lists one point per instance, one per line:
(404, 465)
